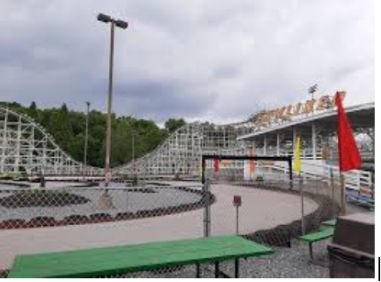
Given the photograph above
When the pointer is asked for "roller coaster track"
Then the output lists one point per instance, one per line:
(181, 152)
(25, 146)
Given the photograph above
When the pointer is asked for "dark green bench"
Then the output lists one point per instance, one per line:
(372, 203)
(121, 260)
(330, 223)
(316, 237)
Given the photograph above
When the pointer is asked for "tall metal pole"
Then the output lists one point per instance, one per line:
(206, 194)
(109, 106)
(312, 90)
(133, 155)
(133, 148)
(302, 203)
(86, 138)
(343, 194)
(237, 220)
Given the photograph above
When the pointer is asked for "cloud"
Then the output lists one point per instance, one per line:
(218, 60)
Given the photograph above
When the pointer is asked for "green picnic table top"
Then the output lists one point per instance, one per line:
(331, 222)
(371, 201)
(318, 236)
(132, 258)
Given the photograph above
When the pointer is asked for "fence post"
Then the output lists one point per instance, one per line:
(206, 192)
(290, 172)
(332, 183)
(301, 192)
(343, 194)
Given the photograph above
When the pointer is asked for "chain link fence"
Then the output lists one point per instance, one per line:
(270, 212)
(274, 209)
(22, 207)
(309, 203)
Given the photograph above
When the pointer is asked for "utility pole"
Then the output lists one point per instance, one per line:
(312, 90)
(123, 25)
(86, 139)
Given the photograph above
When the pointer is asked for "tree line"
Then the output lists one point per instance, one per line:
(68, 128)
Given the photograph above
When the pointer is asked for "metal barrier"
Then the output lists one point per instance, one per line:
(270, 213)
(354, 179)
(32, 208)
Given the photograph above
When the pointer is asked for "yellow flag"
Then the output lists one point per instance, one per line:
(297, 155)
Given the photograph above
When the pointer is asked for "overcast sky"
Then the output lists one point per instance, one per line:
(217, 60)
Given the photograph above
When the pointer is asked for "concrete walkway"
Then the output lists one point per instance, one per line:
(260, 209)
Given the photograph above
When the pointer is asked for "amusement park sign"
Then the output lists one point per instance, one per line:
(285, 113)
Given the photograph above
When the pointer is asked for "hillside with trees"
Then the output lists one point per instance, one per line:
(68, 129)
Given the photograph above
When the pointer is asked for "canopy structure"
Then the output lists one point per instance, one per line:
(318, 132)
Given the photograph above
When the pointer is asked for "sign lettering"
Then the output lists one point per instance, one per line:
(265, 118)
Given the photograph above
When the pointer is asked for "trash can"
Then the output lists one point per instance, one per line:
(351, 252)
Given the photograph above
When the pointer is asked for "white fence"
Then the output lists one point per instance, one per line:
(355, 179)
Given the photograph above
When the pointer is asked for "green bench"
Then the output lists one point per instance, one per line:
(316, 237)
(120, 260)
(372, 203)
(330, 223)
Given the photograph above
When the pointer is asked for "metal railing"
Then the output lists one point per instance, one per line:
(355, 179)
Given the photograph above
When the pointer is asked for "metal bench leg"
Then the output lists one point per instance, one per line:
(217, 269)
(311, 251)
(289, 244)
(198, 270)
(236, 262)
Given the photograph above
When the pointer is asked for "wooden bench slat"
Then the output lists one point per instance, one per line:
(124, 259)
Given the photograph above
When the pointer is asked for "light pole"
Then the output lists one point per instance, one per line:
(86, 138)
(312, 90)
(134, 176)
(122, 24)
(133, 148)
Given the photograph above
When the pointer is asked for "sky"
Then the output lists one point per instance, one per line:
(215, 60)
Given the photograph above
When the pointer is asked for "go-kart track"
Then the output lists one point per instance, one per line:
(261, 209)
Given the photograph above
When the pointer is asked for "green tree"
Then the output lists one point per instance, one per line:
(68, 129)
(32, 111)
(173, 124)
(61, 129)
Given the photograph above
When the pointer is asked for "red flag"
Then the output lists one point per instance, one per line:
(349, 155)
(216, 165)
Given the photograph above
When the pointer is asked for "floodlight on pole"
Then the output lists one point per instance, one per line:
(121, 24)
(312, 90)
(104, 18)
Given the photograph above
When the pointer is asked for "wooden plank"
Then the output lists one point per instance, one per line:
(318, 236)
(125, 259)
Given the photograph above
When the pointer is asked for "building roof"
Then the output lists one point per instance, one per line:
(360, 116)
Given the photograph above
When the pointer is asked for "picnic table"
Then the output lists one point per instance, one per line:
(316, 237)
(120, 260)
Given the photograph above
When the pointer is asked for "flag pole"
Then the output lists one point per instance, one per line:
(343, 195)
(349, 154)
(302, 204)
(299, 173)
